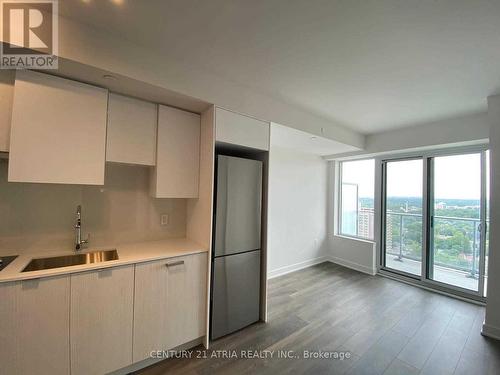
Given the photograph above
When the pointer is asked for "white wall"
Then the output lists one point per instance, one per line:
(353, 253)
(491, 325)
(297, 233)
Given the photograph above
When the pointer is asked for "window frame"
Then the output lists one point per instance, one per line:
(339, 200)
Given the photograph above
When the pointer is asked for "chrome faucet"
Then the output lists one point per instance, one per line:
(79, 242)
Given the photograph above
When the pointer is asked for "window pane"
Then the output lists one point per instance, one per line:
(357, 198)
(455, 229)
(350, 209)
(403, 216)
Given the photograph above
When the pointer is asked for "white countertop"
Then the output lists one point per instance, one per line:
(127, 254)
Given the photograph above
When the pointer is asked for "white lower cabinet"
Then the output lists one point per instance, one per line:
(101, 320)
(169, 305)
(34, 326)
(91, 323)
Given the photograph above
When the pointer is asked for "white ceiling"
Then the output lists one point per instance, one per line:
(371, 65)
(284, 136)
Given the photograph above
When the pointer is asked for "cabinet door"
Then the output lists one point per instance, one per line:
(237, 129)
(131, 136)
(170, 305)
(101, 320)
(186, 303)
(34, 326)
(6, 96)
(58, 131)
(177, 154)
(9, 353)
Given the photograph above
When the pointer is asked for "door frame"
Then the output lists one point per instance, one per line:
(427, 179)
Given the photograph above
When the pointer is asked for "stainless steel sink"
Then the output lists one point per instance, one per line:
(71, 260)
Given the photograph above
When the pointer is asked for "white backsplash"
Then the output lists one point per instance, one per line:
(42, 216)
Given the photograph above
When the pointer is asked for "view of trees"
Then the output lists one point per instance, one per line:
(456, 234)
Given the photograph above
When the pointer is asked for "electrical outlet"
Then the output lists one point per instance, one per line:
(164, 219)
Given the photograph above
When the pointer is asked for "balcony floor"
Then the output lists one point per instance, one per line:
(441, 274)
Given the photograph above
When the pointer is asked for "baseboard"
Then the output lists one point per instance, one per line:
(352, 265)
(295, 267)
(151, 361)
(490, 331)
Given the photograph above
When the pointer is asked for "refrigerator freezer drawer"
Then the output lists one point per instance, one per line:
(236, 292)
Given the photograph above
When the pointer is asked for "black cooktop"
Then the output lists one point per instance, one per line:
(6, 260)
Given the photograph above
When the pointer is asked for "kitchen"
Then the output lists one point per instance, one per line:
(249, 187)
(139, 193)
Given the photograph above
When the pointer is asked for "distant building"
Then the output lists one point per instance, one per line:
(440, 206)
(365, 222)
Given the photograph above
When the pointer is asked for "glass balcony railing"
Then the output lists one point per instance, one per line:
(455, 247)
(455, 250)
(404, 235)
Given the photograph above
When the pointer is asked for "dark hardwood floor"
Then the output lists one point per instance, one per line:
(386, 326)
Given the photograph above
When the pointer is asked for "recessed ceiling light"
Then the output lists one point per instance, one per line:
(313, 138)
(109, 77)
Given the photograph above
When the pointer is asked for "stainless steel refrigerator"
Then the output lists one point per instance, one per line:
(237, 245)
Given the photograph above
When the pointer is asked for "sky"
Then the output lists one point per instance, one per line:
(458, 177)
(455, 177)
(361, 172)
(404, 178)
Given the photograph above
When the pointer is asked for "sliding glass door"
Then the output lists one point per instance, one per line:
(403, 202)
(434, 220)
(455, 220)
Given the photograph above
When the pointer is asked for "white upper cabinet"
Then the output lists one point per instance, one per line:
(6, 94)
(236, 129)
(177, 168)
(58, 131)
(131, 135)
